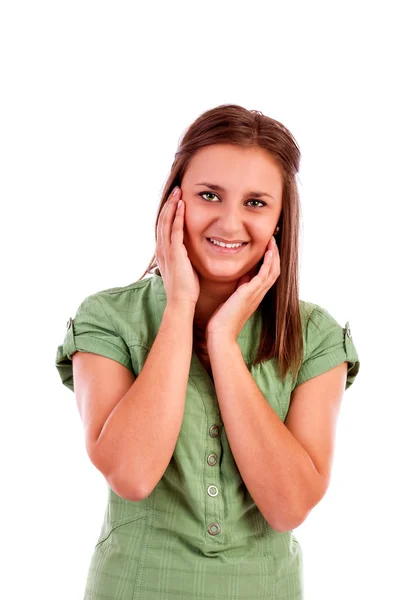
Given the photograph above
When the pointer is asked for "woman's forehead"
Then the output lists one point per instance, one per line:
(231, 167)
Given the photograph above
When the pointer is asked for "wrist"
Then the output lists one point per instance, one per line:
(217, 342)
(181, 308)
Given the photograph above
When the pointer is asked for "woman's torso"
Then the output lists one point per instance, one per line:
(199, 533)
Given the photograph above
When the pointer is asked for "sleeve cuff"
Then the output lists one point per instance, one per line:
(325, 362)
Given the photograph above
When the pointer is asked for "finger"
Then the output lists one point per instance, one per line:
(177, 225)
(265, 269)
(161, 218)
(160, 222)
(163, 231)
(170, 217)
(271, 260)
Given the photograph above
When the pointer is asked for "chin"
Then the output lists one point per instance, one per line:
(223, 272)
(222, 269)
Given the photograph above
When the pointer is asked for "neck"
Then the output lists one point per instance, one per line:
(211, 296)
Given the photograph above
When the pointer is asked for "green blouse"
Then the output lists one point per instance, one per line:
(199, 534)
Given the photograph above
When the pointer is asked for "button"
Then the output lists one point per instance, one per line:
(69, 322)
(214, 529)
(214, 431)
(212, 459)
(212, 490)
(347, 329)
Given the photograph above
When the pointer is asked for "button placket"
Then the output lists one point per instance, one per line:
(212, 490)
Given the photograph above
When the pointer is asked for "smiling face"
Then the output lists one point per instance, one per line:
(231, 212)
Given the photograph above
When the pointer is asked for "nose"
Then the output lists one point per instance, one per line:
(231, 223)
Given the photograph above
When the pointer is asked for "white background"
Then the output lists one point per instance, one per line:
(94, 99)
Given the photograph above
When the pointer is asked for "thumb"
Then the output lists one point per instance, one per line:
(244, 279)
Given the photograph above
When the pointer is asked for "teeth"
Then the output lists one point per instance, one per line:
(226, 245)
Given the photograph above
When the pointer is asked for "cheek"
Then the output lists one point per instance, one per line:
(189, 230)
(193, 223)
(262, 236)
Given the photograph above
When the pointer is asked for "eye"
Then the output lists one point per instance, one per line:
(206, 193)
(261, 202)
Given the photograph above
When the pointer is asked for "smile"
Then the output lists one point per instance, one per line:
(223, 249)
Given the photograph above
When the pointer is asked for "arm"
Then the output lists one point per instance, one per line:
(276, 468)
(135, 444)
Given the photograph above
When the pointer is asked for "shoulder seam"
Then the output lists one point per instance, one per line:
(127, 288)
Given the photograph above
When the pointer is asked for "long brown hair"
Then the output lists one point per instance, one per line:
(281, 335)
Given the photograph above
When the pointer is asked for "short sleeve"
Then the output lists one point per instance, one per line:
(90, 331)
(327, 344)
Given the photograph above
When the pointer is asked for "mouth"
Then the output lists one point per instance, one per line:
(223, 249)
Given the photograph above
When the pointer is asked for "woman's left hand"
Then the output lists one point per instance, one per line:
(229, 318)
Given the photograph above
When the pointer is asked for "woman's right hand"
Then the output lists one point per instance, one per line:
(180, 279)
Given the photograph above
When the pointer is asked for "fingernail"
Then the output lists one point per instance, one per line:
(175, 190)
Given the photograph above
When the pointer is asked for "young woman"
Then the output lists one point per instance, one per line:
(209, 392)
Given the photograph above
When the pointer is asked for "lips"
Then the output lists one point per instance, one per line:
(222, 250)
(218, 239)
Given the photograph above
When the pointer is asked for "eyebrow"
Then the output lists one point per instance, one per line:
(219, 188)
